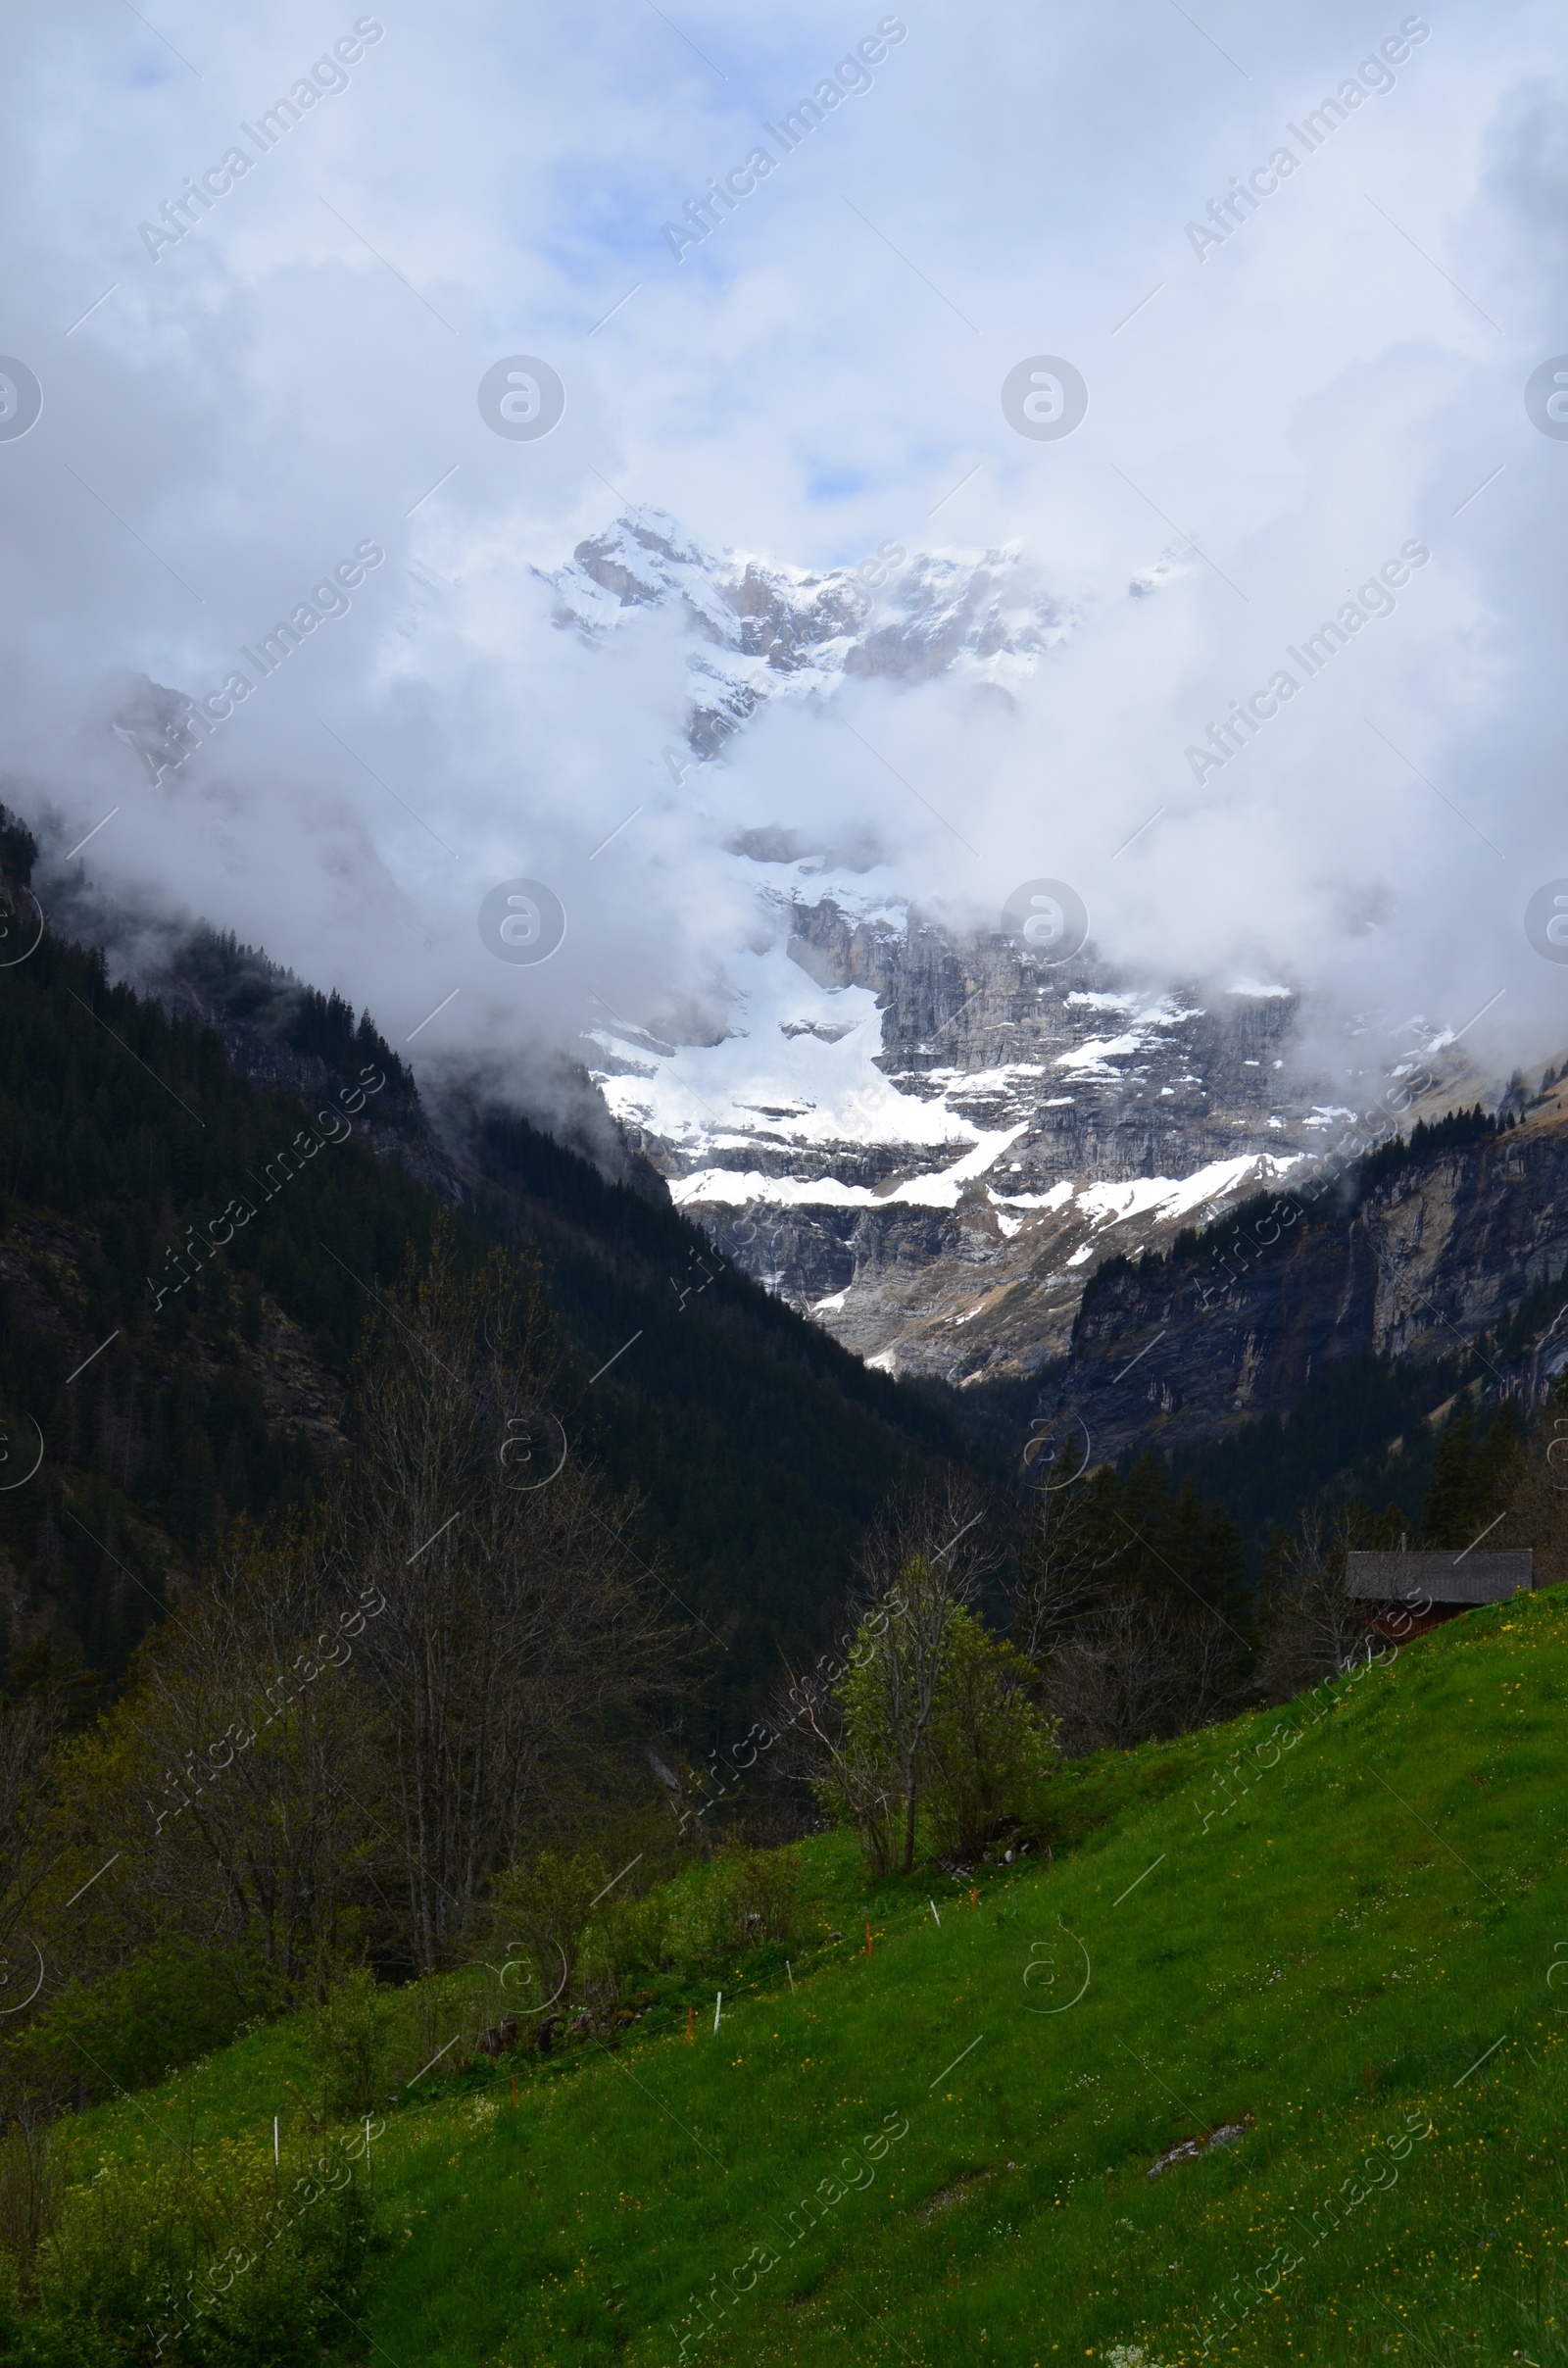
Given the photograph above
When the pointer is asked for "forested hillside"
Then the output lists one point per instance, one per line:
(189, 1254)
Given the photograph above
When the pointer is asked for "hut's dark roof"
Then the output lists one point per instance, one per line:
(1438, 1578)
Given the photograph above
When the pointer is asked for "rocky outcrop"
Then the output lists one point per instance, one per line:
(1166, 1351)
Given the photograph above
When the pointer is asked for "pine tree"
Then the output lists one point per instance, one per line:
(1470, 1479)
(1450, 1498)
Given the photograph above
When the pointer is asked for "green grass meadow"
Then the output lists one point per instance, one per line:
(1333, 1926)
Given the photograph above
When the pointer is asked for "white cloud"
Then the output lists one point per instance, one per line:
(816, 379)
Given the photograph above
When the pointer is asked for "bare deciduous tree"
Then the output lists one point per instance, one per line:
(235, 1778)
(519, 1627)
(1310, 1626)
(1120, 1675)
(1141, 1664)
(1064, 1563)
(31, 2179)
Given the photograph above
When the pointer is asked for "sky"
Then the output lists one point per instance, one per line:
(1282, 407)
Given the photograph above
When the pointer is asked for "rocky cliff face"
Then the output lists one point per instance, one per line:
(1062, 1101)
(931, 1142)
(1167, 1353)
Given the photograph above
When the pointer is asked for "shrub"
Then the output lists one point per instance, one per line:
(628, 1945)
(206, 2258)
(422, 2021)
(764, 1895)
(543, 1906)
(349, 2040)
(167, 2006)
(744, 1898)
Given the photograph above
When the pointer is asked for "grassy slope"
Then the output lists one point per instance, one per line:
(1329, 1956)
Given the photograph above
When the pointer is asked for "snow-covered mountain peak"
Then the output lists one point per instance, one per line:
(642, 559)
(761, 627)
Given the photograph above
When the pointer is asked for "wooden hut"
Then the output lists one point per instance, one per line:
(1406, 1593)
